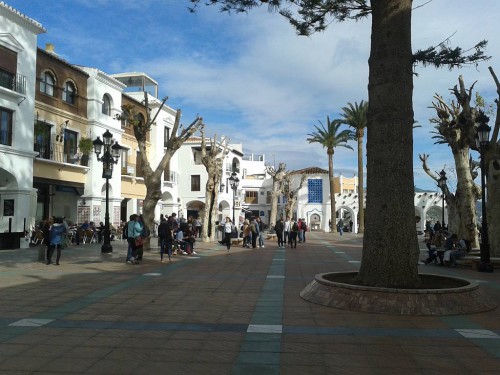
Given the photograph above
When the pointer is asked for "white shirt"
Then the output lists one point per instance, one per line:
(228, 227)
(288, 223)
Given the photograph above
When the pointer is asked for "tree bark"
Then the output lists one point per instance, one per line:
(277, 176)
(493, 180)
(290, 194)
(213, 165)
(361, 195)
(152, 177)
(390, 247)
(466, 198)
(333, 210)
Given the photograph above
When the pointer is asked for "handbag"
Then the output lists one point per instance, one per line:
(139, 241)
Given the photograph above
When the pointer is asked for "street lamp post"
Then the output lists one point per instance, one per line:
(482, 141)
(442, 186)
(110, 156)
(234, 181)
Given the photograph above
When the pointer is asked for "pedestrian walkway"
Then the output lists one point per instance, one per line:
(222, 313)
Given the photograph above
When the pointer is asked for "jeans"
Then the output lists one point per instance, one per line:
(287, 237)
(166, 244)
(261, 239)
(456, 254)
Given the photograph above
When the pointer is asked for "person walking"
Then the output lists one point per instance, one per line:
(254, 227)
(279, 233)
(287, 227)
(166, 237)
(229, 228)
(247, 233)
(134, 230)
(197, 226)
(261, 232)
(304, 230)
(56, 233)
(340, 226)
(294, 229)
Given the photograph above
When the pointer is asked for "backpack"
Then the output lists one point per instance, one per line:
(252, 228)
(304, 226)
(295, 227)
(125, 231)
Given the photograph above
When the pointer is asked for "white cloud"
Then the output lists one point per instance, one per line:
(253, 79)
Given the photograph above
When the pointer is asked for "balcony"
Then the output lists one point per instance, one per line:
(171, 180)
(14, 82)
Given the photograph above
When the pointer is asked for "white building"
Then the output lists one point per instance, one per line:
(18, 48)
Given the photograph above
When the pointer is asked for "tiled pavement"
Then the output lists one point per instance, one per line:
(222, 313)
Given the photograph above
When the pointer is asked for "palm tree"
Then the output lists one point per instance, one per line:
(330, 138)
(355, 117)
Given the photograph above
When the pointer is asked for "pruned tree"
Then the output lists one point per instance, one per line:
(152, 177)
(450, 198)
(389, 255)
(290, 193)
(492, 167)
(212, 160)
(277, 176)
(455, 126)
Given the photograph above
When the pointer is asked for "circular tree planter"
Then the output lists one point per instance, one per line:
(455, 296)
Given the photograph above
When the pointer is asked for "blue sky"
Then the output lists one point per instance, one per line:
(253, 79)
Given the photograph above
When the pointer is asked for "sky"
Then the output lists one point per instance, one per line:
(252, 79)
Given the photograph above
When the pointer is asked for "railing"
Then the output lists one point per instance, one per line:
(15, 82)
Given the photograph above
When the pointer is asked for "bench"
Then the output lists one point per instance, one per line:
(270, 236)
(474, 261)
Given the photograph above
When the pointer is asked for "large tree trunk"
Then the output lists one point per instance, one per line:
(453, 214)
(493, 202)
(274, 201)
(465, 197)
(390, 247)
(278, 175)
(153, 195)
(361, 195)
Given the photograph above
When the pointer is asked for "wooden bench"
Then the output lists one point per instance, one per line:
(270, 236)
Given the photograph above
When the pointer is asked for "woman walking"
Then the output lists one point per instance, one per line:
(228, 230)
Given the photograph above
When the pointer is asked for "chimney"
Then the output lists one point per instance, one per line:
(49, 47)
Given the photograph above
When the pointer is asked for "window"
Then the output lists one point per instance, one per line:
(166, 136)
(5, 127)
(42, 139)
(70, 146)
(140, 119)
(251, 197)
(166, 173)
(315, 191)
(69, 92)
(124, 160)
(195, 183)
(106, 105)
(47, 83)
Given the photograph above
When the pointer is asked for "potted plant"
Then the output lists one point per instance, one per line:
(85, 146)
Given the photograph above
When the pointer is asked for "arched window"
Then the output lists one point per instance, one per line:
(106, 105)
(69, 92)
(47, 83)
(140, 118)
